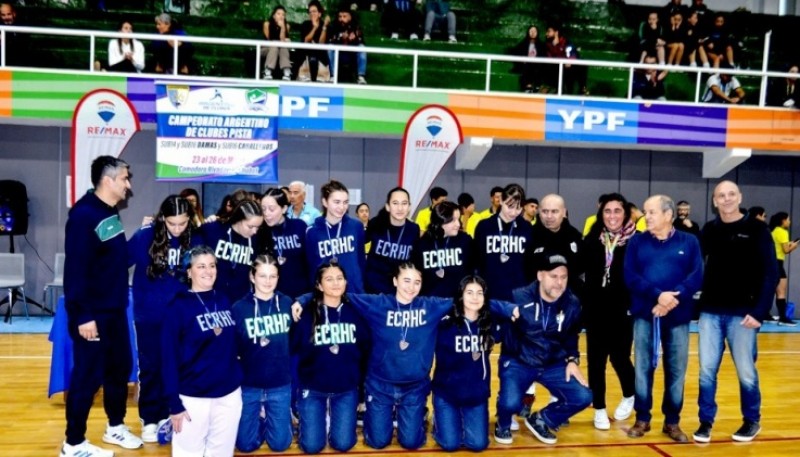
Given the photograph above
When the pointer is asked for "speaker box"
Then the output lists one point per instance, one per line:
(13, 208)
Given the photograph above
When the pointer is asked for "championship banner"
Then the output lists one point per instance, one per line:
(103, 123)
(216, 134)
(431, 137)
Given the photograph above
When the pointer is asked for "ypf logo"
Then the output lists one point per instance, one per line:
(106, 110)
(434, 125)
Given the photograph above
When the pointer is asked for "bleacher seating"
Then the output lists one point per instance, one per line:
(601, 30)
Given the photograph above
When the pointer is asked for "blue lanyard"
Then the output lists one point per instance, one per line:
(656, 340)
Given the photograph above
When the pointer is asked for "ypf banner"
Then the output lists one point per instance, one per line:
(431, 137)
(103, 123)
(216, 133)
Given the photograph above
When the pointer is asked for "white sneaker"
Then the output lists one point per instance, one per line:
(624, 409)
(150, 433)
(287, 74)
(395, 36)
(267, 74)
(601, 421)
(514, 424)
(362, 79)
(85, 449)
(121, 436)
(427, 37)
(452, 39)
(413, 37)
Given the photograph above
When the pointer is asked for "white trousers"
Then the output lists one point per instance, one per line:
(212, 430)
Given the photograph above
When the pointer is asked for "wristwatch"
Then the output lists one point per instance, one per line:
(574, 359)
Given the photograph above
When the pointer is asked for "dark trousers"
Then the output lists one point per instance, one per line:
(574, 75)
(125, 66)
(152, 403)
(107, 363)
(396, 21)
(610, 341)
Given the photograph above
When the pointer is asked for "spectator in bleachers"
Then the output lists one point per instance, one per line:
(437, 13)
(724, 88)
(558, 46)
(675, 39)
(276, 29)
(703, 13)
(530, 46)
(163, 49)
(125, 54)
(366, 5)
(674, 6)
(315, 30)
(17, 44)
(401, 16)
(649, 84)
(784, 91)
(695, 34)
(347, 32)
(651, 38)
(719, 45)
(177, 6)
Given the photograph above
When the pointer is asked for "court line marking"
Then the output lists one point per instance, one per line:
(555, 448)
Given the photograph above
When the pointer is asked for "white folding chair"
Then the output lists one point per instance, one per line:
(52, 288)
(12, 278)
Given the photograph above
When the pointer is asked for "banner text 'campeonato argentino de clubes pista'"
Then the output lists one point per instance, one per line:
(216, 134)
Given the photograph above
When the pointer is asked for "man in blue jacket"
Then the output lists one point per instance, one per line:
(545, 338)
(96, 297)
(663, 270)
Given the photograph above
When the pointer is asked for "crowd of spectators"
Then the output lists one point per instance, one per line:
(675, 35)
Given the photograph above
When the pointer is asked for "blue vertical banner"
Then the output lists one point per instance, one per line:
(216, 133)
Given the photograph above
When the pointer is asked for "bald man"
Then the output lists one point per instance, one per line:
(554, 233)
(738, 286)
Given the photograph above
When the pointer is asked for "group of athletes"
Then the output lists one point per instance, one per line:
(255, 320)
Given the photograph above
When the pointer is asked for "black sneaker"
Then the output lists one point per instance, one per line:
(540, 430)
(747, 432)
(502, 435)
(703, 433)
(786, 322)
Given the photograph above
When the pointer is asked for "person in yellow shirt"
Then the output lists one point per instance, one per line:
(530, 209)
(495, 197)
(437, 195)
(638, 216)
(779, 223)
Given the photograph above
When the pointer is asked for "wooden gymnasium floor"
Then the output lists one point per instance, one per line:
(33, 425)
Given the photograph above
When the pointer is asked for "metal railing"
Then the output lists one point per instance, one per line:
(415, 54)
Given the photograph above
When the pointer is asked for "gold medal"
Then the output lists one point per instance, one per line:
(440, 272)
(476, 356)
(263, 341)
(217, 331)
(334, 349)
(503, 258)
(403, 345)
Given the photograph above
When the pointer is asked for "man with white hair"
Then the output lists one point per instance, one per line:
(663, 269)
(299, 209)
